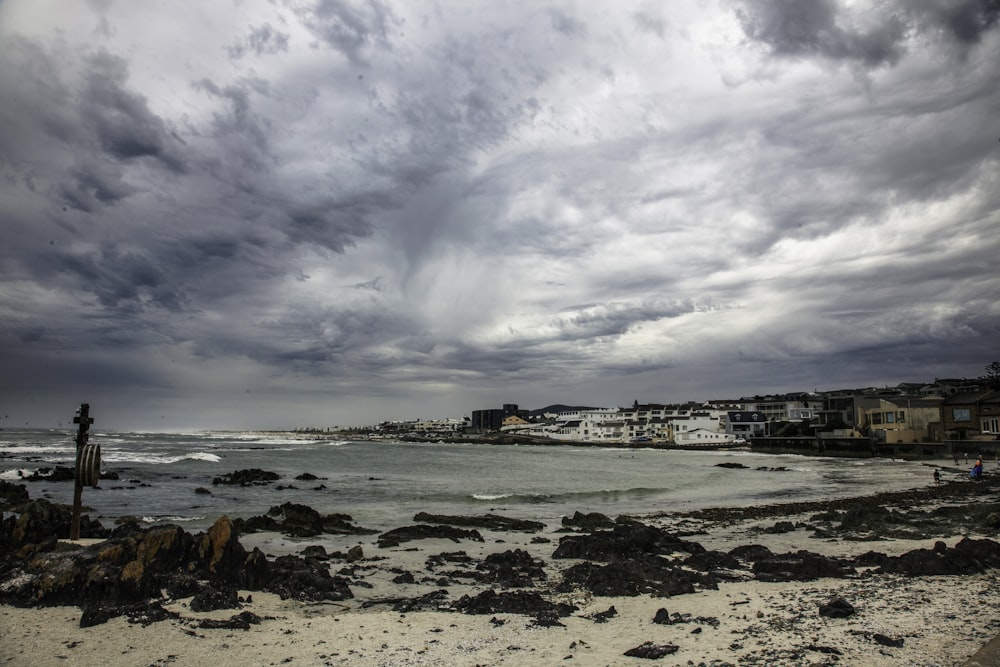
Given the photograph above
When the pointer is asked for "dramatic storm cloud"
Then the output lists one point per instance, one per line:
(318, 212)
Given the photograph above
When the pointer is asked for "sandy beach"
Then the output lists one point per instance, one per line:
(897, 619)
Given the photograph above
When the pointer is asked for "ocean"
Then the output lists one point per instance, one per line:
(383, 484)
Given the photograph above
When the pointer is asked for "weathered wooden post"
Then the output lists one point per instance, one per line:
(88, 465)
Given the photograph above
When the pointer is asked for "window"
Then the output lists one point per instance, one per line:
(961, 415)
(877, 418)
(901, 416)
(991, 425)
(890, 418)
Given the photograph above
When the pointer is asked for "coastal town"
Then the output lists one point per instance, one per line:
(940, 411)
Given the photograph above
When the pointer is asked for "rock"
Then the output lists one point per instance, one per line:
(249, 477)
(241, 621)
(220, 553)
(652, 651)
(780, 527)
(41, 521)
(732, 464)
(530, 603)
(624, 541)
(632, 577)
(355, 553)
(56, 474)
(511, 569)
(966, 557)
(305, 579)
(403, 578)
(590, 521)
(836, 608)
(800, 566)
(298, 520)
(888, 641)
(212, 598)
(202, 491)
(662, 616)
(486, 522)
(603, 616)
(12, 495)
(306, 477)
(315, 551)
(430, 601)
(396, 536)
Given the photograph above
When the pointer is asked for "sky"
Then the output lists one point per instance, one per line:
(273, 214)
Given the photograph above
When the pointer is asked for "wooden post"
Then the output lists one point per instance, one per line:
(84, 419)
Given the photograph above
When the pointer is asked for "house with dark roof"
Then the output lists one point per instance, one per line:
(971, 415)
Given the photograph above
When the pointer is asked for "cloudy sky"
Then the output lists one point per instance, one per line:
(265, 214)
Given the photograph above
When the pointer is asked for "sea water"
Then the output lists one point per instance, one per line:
(382, 484)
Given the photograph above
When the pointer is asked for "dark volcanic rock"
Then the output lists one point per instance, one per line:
(632, 577)
(800, 566)
(306, 477)
(12, 495)
(249, 477)
(590, 521)
(241, 621)
(305, 579)
(511, 569)
(836, 608)
(732, 464)
(56, 474)
(396, 536)
(966, 557)
(298, 520)
(652, 651)
(430, 601)
(517, 602)
(211, 598)
(624, 541)
(41, 521)
(486, 522)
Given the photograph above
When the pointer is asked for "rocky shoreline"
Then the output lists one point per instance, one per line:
(620, 579)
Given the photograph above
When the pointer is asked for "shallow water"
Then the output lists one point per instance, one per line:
(383, 484)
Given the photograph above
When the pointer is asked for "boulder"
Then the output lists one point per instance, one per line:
(396, 536)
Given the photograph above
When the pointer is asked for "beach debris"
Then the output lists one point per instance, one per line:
(652, 651)
(838, 607)
(248, 477)
(434, 601)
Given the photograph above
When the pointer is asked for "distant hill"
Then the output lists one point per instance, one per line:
(558, 407)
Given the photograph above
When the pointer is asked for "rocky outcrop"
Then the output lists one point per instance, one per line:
(397, 536)
(301, 521)
(248, 477)
(486, 522)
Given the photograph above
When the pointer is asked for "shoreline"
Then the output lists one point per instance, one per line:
(938, 619)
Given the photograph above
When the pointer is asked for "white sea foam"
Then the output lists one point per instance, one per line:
(17, 473)
(117, 456)
(491, 496)
(170, 518)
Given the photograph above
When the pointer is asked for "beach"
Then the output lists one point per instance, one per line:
(730, 614)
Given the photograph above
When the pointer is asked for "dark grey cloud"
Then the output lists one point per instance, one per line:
(351, 28)
(413, 209)
(263, 40)
(871, 35)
